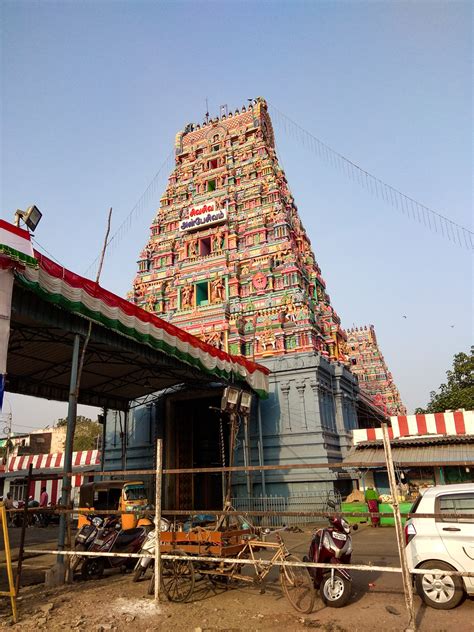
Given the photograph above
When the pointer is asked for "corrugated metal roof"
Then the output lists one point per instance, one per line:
(428, 454)
(418, 441)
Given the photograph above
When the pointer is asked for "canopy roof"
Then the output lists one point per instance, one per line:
(131, 352)
(415, 451)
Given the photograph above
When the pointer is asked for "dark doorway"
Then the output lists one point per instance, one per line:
(193, 439)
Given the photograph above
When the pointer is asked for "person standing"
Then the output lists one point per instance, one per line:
(372, 500)
(9, 504)
(44, 505)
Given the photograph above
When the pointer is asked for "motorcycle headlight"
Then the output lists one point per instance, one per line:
(164, 525)
(97, 522)
(345, 525)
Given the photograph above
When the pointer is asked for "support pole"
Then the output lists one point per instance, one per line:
(247, 453)
(8, 561)
(71, 423)
(260, 449)
(23, 530)
(407, 584)
(159, 470)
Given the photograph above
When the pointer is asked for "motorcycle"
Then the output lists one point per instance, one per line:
(148, 547)
(85, 537)
(332, 545)
(111, 538)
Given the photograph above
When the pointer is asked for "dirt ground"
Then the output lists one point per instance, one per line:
(115, 603)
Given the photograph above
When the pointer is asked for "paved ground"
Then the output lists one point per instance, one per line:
(114, 602)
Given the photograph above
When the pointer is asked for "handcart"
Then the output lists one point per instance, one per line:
(178, 576)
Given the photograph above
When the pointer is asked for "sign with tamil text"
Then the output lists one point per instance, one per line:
(203, 216)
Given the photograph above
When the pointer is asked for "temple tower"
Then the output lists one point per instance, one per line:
(228, 258)
(229, 261)
(367, 362)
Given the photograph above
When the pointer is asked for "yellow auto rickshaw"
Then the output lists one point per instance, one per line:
(127, 496)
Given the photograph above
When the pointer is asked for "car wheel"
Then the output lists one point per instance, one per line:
(439, 591)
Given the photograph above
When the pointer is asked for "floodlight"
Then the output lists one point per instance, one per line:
(245, 402)
(31, 217)
(230, 398)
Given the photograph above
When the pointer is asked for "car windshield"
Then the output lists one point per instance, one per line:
(135, 492)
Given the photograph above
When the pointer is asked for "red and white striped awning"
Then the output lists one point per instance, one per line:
(459, 422)
(80, 459)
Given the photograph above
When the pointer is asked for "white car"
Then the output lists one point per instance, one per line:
(443, 544)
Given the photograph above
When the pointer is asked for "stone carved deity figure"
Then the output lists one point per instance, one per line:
(214, 338)
(187, 296)
(217, 290)
(267, 339)
(218, 240)
(193, 248)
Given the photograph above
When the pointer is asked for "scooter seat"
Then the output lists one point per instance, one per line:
(125, 537)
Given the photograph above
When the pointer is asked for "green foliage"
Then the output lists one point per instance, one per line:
(86, 433)
(458, 391)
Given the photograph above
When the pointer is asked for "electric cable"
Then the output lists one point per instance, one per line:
(432, 220)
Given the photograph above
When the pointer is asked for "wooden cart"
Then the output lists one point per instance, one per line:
(178, 576)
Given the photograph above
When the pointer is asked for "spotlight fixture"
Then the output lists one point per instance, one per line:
(31, 217)
(245, 402)
(230, 398)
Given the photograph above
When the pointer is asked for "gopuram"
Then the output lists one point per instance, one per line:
(229, 261)
(367, 362)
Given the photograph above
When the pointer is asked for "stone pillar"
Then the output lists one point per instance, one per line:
(317, 405)
(340, 428)
(300, 387)
(285, 390)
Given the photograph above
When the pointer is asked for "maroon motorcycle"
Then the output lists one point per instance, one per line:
(111, 538)
(332, 545)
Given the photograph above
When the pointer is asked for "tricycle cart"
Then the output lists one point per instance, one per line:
(178, 575)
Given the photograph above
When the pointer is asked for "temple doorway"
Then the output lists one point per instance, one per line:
(193, 440)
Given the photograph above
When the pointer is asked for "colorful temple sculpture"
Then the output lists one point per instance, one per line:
(229, 261)
(367, 362)
(228, 258)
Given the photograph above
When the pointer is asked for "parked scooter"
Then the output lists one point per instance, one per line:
(110, 538)
(332, 545)
(148, 547)
(85, 537)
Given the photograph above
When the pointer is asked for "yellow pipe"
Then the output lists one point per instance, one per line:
(8, 559)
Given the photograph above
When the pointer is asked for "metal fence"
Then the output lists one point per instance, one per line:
(303, 501)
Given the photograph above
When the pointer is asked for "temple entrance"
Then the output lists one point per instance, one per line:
(193, 440)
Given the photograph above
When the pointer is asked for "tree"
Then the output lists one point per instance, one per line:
(458, 391)
(85, 436)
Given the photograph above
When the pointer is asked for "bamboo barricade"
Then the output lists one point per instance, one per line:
(159, 467)
(236, 512)
(8, 559)
(236, 560)
(158, 473)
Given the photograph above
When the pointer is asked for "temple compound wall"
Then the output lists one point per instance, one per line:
(308, 418)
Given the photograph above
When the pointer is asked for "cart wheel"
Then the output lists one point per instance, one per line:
(177, 578)
(297, 586)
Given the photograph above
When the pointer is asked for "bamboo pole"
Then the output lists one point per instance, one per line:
(159, 467)
(407, 584)
(236, 512)
(237, 560)
(257, 468)
(8, 561)
(23, 531)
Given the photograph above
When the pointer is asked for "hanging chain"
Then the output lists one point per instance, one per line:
(221, 438)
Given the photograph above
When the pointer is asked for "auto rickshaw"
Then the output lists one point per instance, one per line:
(128, 496)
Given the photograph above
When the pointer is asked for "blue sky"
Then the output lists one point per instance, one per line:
(93, 93)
